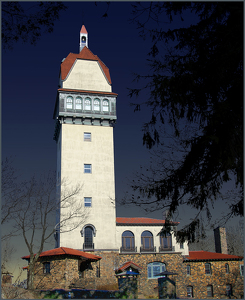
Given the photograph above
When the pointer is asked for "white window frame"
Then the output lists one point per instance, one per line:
(96, 104)
(188, 270)
(242, 270)
(87, 136)
(150, 269)
(86, 106)
(69, 102)
(105, 105)
(79, 103)
(87, 168)
(87, 201)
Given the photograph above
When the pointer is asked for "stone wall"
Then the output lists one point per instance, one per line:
(64, 273)
(62, 270)
(218, 279)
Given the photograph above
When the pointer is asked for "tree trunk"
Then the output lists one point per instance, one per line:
(30, 276)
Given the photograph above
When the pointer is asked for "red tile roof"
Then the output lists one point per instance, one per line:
(140, 221)
(66, 251)
(127, 265)
(83, 29)
(205, 255)
(86, 54)
(86, 92)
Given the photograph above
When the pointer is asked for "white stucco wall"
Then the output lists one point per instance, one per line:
(100, 184)
(86, 75)
(138, 230)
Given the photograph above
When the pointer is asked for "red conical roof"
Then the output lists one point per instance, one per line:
(83, 30)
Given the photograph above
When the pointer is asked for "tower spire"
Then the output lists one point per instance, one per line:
(83, 38)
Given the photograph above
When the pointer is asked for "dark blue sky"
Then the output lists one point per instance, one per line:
(30, 81)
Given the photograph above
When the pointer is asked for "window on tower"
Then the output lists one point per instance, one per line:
(87, 201)
(105, 105)
(87, 168)
(69, 103)
(87, 104)
(88, 238)
(78, 103)
(87, 136)
(96, 105)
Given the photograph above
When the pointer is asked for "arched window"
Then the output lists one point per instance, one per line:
(229, 290)
(87, 104)
(165, 242)
(88, 238)
(78, 103)
(188, 270)
(210, 290)
(226, 268)
(69, 103)
(128, 241)
(96, 105)
(155, 268)
(147, 241)
(105, 105)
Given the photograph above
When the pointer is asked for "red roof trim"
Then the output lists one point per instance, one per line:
(86, 54)
(141, 221)
(66, 251)
(128, 264)
(205, 255)
(87, 92)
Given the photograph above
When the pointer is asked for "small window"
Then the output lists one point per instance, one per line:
(226, 268)
(210, 291)
(155, 268)
(69, 103)
(46, 267)
(87, 168)
(97, 271)
(181, 246)
(105, 105)
(228, 290)
(87, 136)
(208, 268)
(87, 104)
(78, 103)
(189, 291)
(87, 201)
(96, 105)
(188, 270)
(241, 269)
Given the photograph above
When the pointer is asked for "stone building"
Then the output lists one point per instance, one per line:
(104, 245)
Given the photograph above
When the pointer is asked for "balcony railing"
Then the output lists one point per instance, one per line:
(88, 246)
(147, 250)
(128, 249)
(164, 249)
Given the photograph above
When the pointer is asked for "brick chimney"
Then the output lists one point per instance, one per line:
(220, 240)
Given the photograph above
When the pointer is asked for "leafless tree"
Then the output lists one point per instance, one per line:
(37, 210)
(10, 196)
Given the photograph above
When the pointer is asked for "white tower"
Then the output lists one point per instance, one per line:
(85, 112)
(83, 38)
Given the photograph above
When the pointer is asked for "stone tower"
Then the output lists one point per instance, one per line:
(85, 113)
